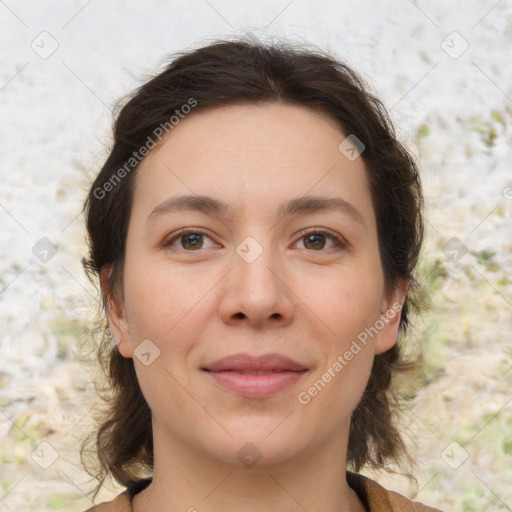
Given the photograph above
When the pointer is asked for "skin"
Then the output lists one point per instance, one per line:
(304, 301)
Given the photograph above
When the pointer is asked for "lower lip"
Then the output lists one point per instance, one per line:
(256, 386)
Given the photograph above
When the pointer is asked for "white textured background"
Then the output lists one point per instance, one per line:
(452, 107)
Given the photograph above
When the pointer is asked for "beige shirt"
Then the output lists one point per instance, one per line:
(373, 496)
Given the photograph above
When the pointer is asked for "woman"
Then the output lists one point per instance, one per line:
(255, 231)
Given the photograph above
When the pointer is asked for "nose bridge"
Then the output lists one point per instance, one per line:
(253, 261)
(256, 290)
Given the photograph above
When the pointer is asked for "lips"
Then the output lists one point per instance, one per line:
(255, 377)
(244, 363)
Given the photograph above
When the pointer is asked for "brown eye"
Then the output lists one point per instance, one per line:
(314, 241)
(191, 241)
(317, 240)
(188, 240)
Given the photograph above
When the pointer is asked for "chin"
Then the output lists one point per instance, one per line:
(259, 440)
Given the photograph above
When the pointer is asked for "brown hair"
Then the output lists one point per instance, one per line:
(249, 71)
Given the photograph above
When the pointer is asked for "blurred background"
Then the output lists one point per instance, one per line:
(443, 71)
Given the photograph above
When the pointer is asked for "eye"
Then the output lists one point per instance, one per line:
(316, 239)
(188, 239)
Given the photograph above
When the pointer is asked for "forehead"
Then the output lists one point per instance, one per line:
(252, 154)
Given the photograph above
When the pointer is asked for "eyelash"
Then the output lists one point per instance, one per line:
(339, 240)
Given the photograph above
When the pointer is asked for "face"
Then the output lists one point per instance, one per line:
(253, 294)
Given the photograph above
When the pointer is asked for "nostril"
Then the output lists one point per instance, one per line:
(239, 315)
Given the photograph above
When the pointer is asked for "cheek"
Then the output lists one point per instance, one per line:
(167, 308)
(160, 299)
(339, 382)
(346, 306)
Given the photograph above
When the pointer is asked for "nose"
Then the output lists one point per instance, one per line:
(256, 292)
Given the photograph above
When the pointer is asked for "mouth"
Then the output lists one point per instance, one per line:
(255, 377)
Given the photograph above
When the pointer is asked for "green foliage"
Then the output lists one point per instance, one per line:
(507, 446)
(497, 116)
(485, 258)
(485, 128)
(58, 502)
(423, 131)
(434, 273)
(68, 332)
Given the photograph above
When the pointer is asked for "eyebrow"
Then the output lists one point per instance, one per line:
(301, 205)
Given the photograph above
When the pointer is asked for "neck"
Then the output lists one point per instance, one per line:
(184, 479)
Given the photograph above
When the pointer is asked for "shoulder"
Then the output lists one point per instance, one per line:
(119, 504)
(377, 498)
(122, 503)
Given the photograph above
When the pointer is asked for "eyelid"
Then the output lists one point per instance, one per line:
(171, 238)
(340, 240)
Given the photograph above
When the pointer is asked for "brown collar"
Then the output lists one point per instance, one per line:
(376, 498)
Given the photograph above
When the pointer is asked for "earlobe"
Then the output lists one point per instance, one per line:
(116, 316)
(390, 316)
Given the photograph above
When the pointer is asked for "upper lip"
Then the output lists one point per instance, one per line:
(246, 362)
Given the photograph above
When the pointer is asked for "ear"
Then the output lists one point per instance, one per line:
(390, 315)
(115, 311)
